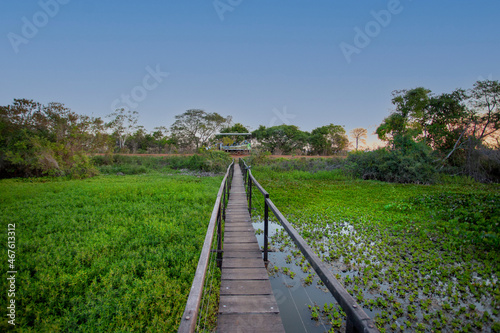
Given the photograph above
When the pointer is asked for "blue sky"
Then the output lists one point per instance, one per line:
(263, 62)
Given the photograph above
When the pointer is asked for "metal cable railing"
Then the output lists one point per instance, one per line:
(357, 319)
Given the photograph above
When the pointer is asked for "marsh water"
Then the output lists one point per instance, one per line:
(302, 298)
(293, 295)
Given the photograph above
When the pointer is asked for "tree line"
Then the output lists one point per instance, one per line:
(195, 129)
(457, 129)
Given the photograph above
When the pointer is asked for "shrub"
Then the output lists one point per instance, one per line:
(51, 140)
(215, 161)
(399, 166)
(299, 164)
(211, 161)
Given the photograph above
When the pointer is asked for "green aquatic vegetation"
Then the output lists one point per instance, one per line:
(382, 236)
(381, 303)
(399, 310)
(314, 315)
(118, 252)
(380, 322)
(474, 217)
(315, 312)
(424, 304)
(437, 324)
(360, 298)
(308, 279)
(421, 327)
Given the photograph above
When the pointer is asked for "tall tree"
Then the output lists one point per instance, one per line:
(236, 128)
(47, 140)
(123, 124)
(448, 120)
(195, 127)
(359, 134)
(228, 140)
(455, 125)
(485, 100)
(410, 118)
(283, 139)
(328, 140)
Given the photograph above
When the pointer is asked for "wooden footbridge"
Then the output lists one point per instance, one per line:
(247, 303)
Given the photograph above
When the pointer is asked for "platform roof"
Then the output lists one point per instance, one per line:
(233, 134)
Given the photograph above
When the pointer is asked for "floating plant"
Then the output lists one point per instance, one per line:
(394, 250)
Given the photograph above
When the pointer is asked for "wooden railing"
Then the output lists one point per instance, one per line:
(357, 319)
(189, 318)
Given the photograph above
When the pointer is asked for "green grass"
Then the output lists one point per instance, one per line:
(111, 253)
(425, 255)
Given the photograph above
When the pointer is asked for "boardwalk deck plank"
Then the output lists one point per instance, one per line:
(244, 274)
(243, 254)
(241, 247)
(240, 240)
(247, 303)
(233, 228)
(243, 263)
(248, 287)
(246, 323)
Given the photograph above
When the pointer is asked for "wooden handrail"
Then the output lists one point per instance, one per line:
(190, 315)
(357, 319)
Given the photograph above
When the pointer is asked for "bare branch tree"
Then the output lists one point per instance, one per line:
(359, 134)
(123, 124)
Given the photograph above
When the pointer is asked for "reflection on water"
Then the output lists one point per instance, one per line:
(295, 295)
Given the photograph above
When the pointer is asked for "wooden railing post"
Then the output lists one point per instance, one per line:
(266, 226)
(224, 200)
(250, 196)
(349, 326)
(219, 239)
(245, 175)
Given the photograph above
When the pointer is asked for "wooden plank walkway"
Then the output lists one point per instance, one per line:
(247, 303)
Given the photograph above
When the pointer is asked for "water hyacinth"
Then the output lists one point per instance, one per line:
(417, 258)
